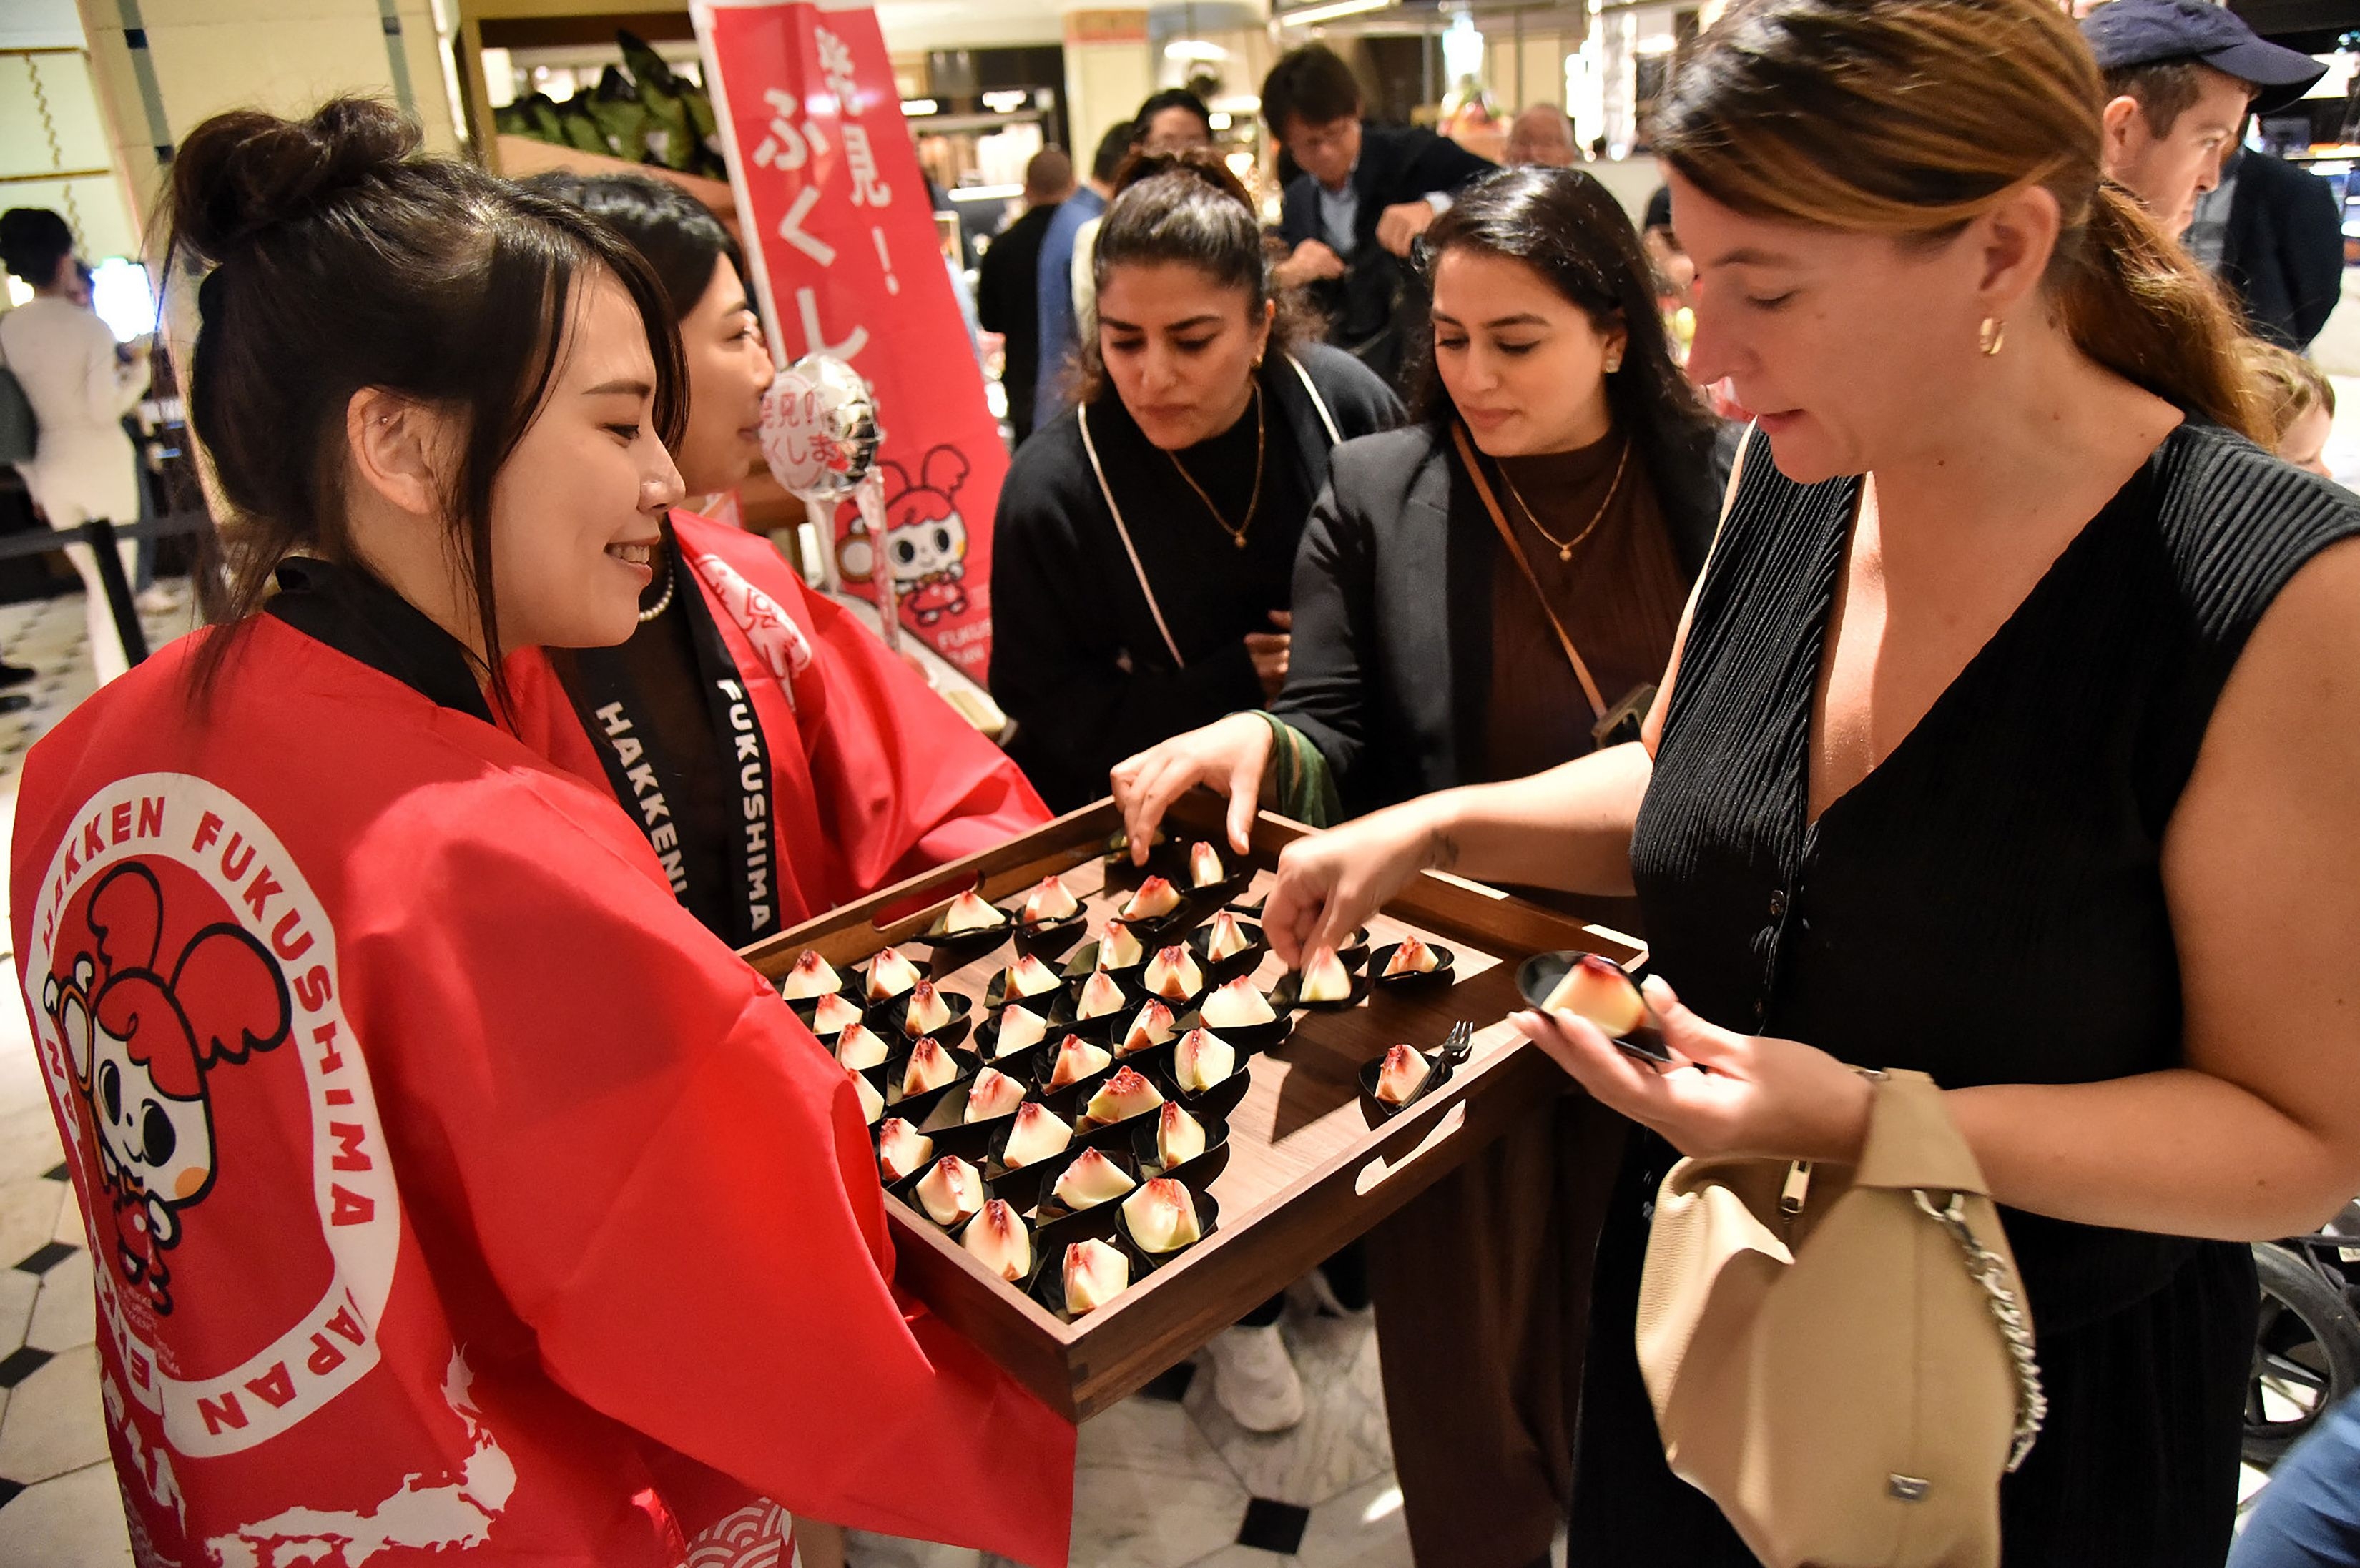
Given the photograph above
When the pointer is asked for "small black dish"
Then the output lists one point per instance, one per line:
(1066, 1099)
(888, 1020)
(995, 1148)
(858, 989)
(915, 1108)
(1144, 1150)
(1065, 1016)
(1538, 975)
(1222, 971)
(1049, 1212)
(1083, 963)
(988, 1124)
(1438, 976)
(1237, 875)
(948, 952)
(996, 994)
(1251, 906)
(1251, 1040)
(1050, 940)
(1146, 1053)
(987, 1039)
(906, 1190)
(1440, 1065)
(847, 984)
(892, 1044)
(969, 1141)
(1047, 1285)
(844, 974)
(1022, 1187)
(1223, 1097)
(1209, 1220)
(1288, 993)
(1022, 1281)
(1178, 1004)
(1115, 1134)
(1159, 931)
(809, 1012)
(932, 1154)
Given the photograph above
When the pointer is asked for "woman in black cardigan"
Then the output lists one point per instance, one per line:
(1146, 539)
(1429, 653)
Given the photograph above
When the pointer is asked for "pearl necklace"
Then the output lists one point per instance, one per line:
(672, 580)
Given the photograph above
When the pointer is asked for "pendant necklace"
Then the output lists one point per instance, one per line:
(1237, 535)
(1565, 546)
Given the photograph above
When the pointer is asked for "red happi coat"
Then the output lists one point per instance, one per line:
(450, 1189)
(874, 777)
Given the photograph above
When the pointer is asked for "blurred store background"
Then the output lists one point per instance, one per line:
(93, 97)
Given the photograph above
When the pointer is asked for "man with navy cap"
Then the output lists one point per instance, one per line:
(2180, 76)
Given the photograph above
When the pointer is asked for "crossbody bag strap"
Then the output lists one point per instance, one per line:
(1319, 403)
(1500, 521)
(1090, 446)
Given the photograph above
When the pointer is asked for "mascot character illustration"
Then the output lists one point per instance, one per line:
(144, 1045)
(925, 538)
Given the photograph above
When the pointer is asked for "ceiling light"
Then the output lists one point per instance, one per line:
(1309, 15)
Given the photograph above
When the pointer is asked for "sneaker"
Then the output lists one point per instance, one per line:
(16, 675)
(1254, 1378)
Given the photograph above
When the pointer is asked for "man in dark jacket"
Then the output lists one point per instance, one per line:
(2282, 246)
(1365, 194)
(1006, 299)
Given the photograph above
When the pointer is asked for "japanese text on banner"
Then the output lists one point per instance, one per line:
(839, 219)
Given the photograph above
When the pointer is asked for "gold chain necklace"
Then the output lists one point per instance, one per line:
(1237, 535)
(1565, 546)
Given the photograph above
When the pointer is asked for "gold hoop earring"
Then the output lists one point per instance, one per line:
(1991, 335)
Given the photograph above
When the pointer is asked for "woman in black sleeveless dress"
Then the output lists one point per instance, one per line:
(2013, 736)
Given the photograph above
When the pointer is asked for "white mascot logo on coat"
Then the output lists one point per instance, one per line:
(145, 1047)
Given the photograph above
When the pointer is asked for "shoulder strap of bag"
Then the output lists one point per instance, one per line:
(1515, 548)
(1319, 403)
(1090, 445)
(1912, 1143)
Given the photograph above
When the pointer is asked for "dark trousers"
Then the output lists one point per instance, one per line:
(1482, 1286)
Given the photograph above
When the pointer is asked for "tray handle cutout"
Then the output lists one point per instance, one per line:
(1378, 1171)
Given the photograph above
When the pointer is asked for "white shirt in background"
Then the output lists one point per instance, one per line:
(84, 465)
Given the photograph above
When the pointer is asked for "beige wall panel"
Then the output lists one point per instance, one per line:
(244, 13)
(1104, 83)
(432, 98)
(287, 66)
(64, 82)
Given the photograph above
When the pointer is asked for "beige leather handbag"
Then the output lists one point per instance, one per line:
(1842, 1359)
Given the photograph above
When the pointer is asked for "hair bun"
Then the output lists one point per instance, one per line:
(1203, 165)
(245, 171)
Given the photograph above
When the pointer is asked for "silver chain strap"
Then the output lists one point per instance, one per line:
(1987, 1270)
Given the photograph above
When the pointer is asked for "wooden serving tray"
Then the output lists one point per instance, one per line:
(1311, 1165)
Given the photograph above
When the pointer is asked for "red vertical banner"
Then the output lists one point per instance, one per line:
(840, 230)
